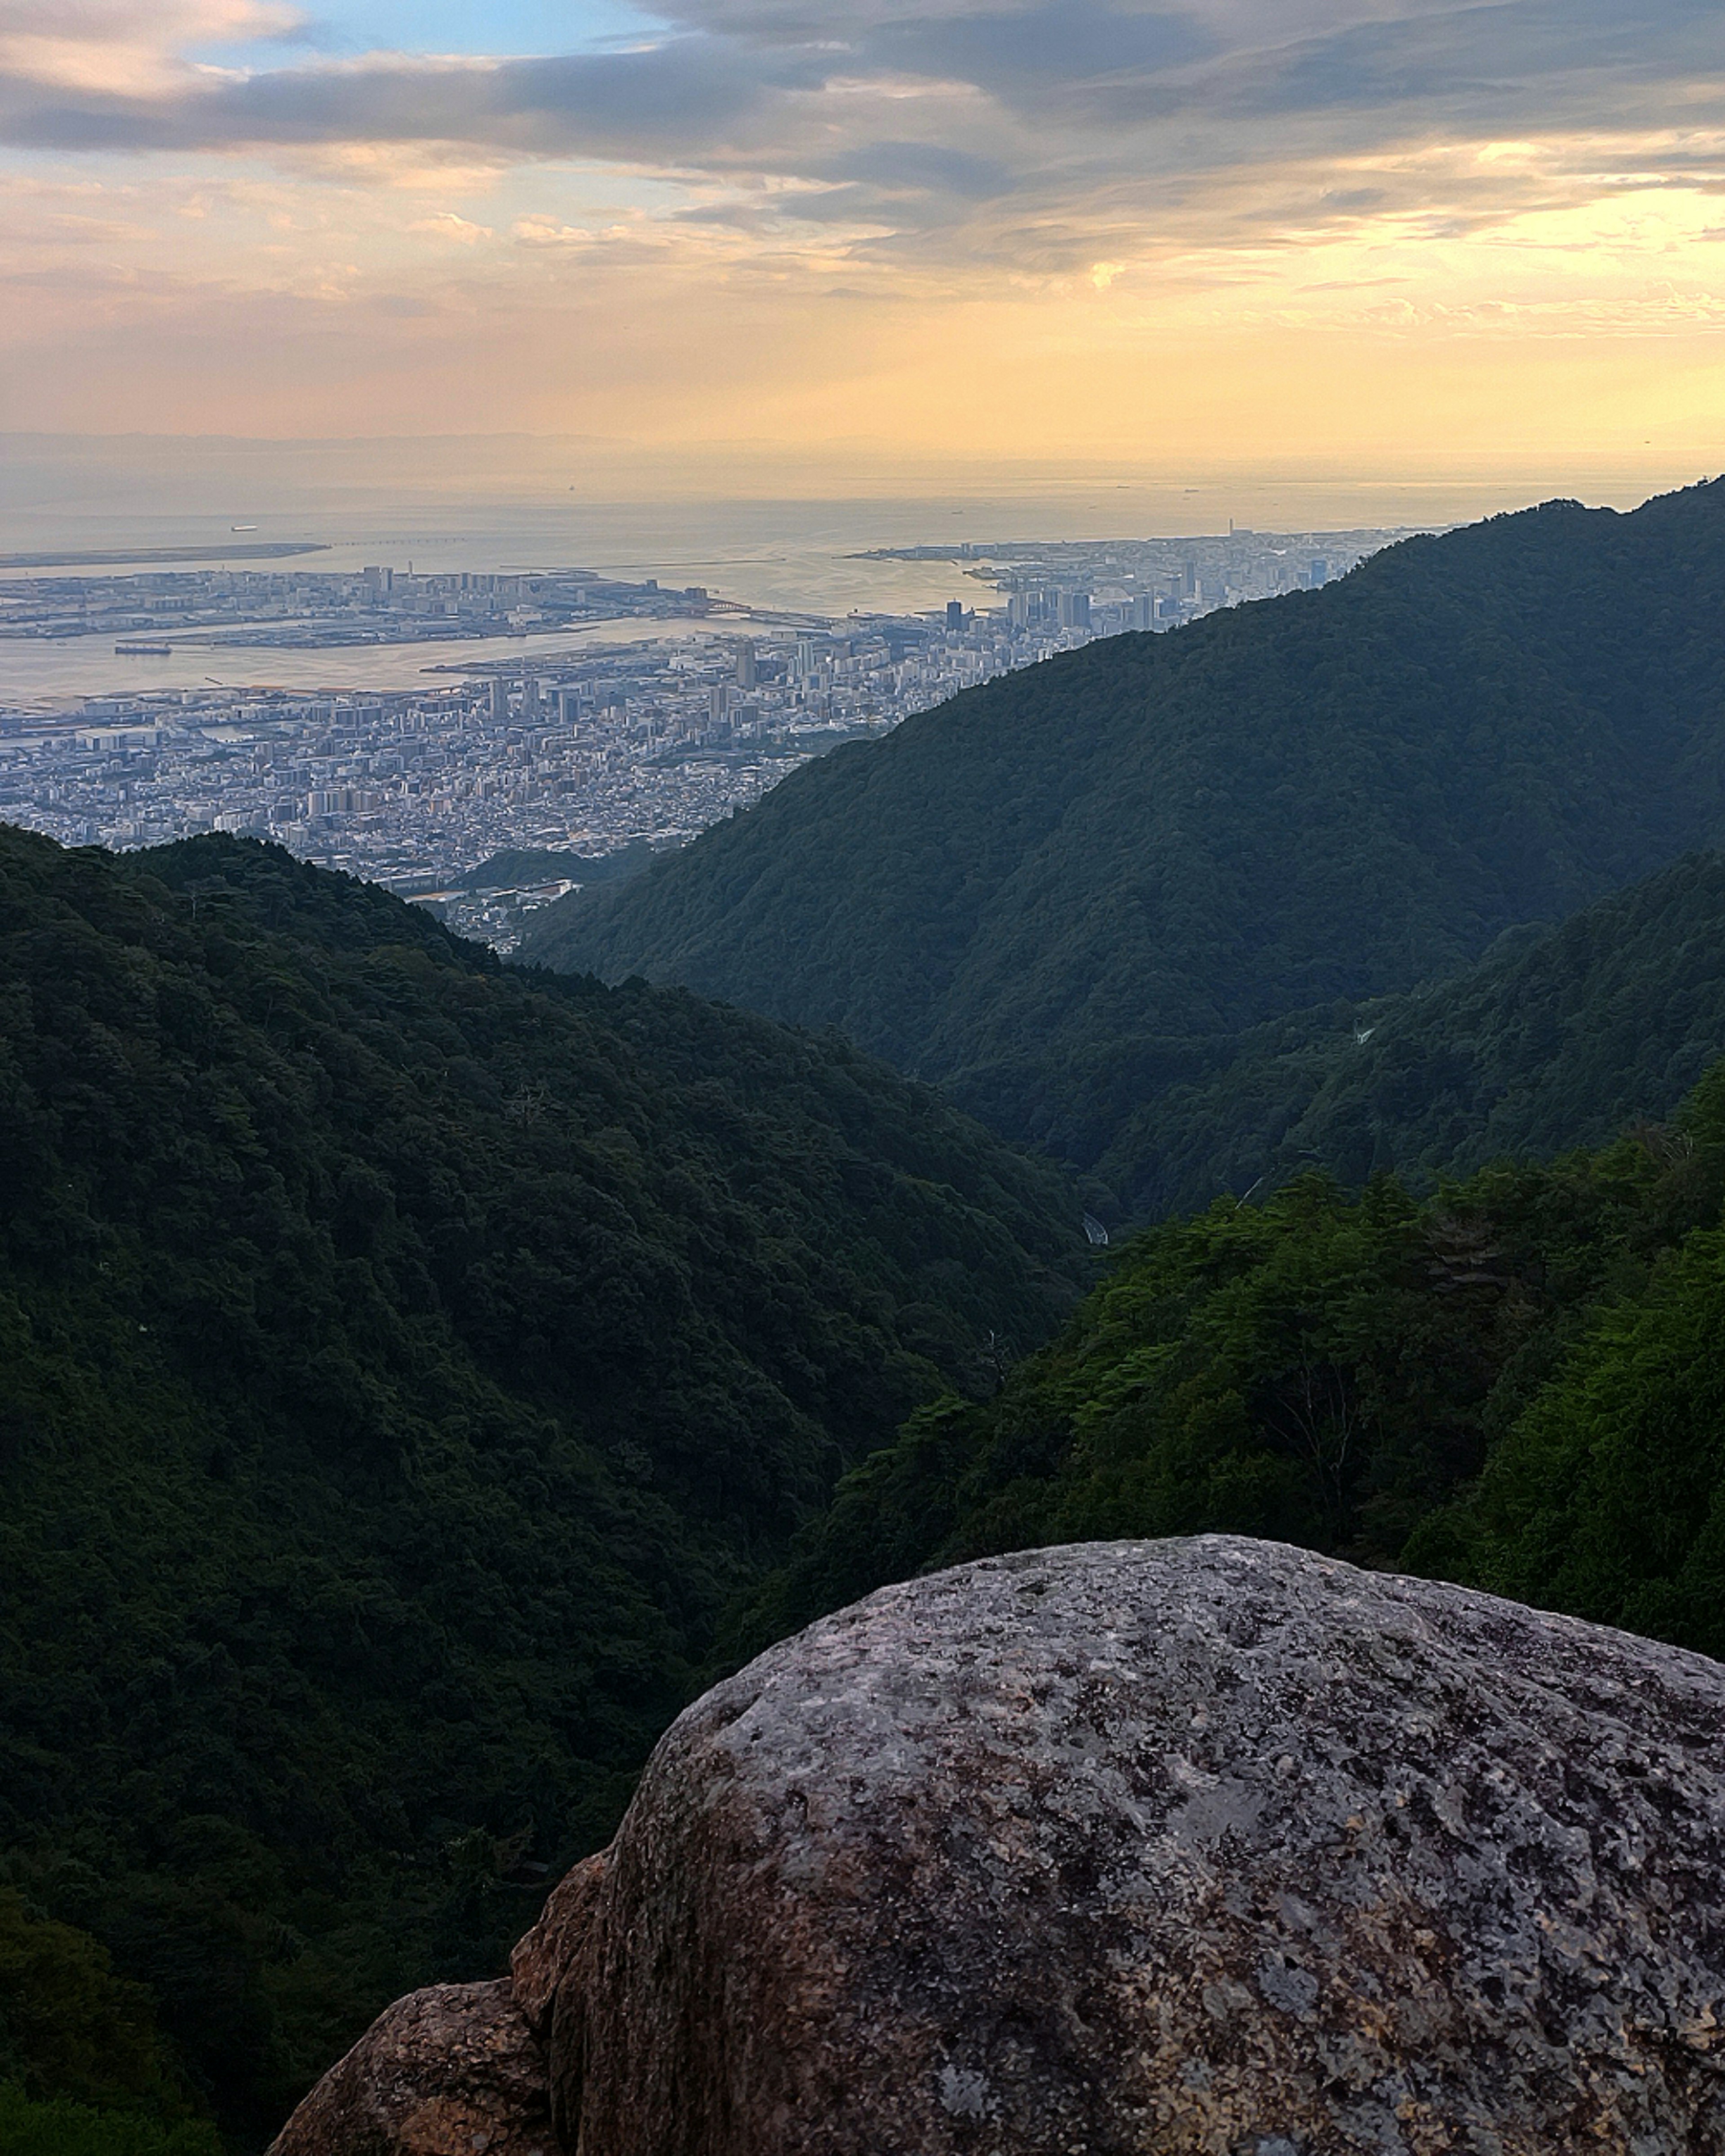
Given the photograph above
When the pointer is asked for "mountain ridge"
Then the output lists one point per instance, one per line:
(1556, 1038)
(405, 1358)
(1043, 893)
(1510, 1382)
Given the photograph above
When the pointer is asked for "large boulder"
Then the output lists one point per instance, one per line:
(1208, 1848)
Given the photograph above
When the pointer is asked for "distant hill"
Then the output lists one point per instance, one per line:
(1557, 1038)
(404, 1359)
(517, 867)
(1058, 894)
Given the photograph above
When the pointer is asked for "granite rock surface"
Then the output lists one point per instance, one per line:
(1204, 1847)
(451, 2071)
(550, 1955)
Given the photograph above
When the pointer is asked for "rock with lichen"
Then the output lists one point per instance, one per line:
(453, 2070)
(1205, 1847)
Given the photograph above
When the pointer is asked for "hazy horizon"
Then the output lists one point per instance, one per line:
(49, 480)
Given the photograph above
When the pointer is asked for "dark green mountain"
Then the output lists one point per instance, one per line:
(1058, 893)
(1557, 1039)
(402, 1360)
(1514, 1382)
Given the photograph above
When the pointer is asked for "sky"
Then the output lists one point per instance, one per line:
(1402, 236)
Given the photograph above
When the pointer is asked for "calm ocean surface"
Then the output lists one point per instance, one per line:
(793, 554)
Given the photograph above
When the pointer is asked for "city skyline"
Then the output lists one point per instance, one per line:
(1400, 236)
(522, 742)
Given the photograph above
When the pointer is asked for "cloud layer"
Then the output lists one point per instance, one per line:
(940, 119)
(828, 209)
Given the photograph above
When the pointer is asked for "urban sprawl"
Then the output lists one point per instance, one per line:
(560, 757)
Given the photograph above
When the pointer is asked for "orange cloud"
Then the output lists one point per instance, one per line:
(1392, 228)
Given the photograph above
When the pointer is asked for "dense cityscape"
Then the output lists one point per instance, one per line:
(556, 758)
(1119, 584)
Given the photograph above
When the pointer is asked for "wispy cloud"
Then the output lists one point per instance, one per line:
(122, 48)
(923, 116)
(1397, 169)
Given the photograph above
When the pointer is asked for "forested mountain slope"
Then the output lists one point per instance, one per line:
(1513, 1383)
(1559, 1040)
(1044, 893)
(404, 1358)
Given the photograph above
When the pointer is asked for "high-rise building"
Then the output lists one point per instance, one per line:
(500, 699)
(1319, 573)
(1143, 610)
(955, 616)
(746, 672)
(1075, 609)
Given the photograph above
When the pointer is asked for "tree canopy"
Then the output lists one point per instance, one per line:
(404, 1358)
(1062, 893)
(1556, 1038)
(1512, 1383)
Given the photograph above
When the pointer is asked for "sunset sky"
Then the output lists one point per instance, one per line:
(1392, 231)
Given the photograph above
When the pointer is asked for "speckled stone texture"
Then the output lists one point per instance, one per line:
(1193, 1848)
(551, 1954)
(1206, 1848)
(451, 2071)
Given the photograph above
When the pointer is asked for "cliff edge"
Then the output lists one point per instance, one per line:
(1209, 1846)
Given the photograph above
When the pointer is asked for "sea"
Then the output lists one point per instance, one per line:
(806, 555)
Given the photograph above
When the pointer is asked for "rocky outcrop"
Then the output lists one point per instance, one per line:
(451, 2071)
(1209, 1847)
(553, 1953)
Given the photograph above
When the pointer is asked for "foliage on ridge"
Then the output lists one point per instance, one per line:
(1059, 892)
(1556, 1038)
(401, 1359)
(1513, 1383)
